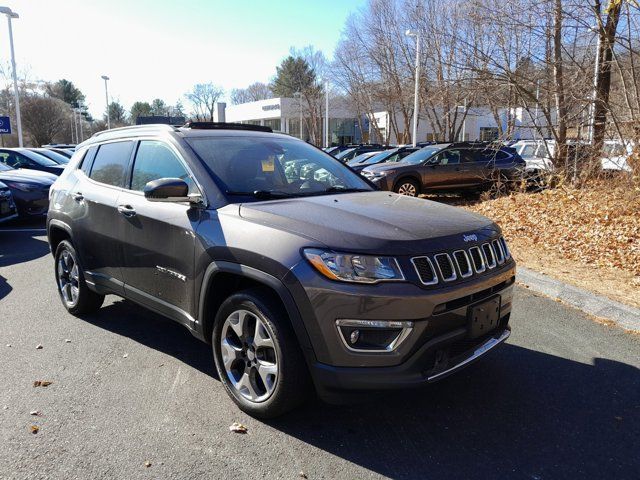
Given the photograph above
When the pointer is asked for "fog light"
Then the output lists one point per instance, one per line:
(373, 335)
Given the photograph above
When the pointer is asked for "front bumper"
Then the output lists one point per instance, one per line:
(438, 344)
(434, 361)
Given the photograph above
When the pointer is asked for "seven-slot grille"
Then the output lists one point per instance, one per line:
(461, 263)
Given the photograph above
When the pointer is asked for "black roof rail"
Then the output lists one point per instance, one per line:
(226, 126)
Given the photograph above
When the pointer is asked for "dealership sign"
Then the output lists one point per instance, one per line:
(271, 107)
(5, 125)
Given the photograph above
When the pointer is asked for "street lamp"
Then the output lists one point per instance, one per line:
(414, 33)
(106, 96)
(298, 95)
(11, 14)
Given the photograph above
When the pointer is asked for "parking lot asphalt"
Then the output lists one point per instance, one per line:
(134, 395)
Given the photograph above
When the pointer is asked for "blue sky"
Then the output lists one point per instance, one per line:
(161, 48)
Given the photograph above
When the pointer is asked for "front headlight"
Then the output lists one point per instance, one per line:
(354, 267)
(380, 174)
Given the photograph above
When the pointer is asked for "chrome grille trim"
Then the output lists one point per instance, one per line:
(453, 268)
(505, 248)
(483, 266)
(497, 249)
(491, 263)
(469, 271)
(433, 270)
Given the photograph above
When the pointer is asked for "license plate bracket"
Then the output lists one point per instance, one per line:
(484, 317)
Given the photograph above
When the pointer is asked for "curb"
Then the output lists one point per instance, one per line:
(622, 315)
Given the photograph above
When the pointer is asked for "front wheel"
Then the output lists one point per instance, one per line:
(407, 187)
(257, 356)
(72, 288)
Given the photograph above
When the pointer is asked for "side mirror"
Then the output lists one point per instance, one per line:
(169, 190)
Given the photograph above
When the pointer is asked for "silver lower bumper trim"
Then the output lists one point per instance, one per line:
(479, 351)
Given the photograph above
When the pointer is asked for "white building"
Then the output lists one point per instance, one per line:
(480, 123)
(284, 115)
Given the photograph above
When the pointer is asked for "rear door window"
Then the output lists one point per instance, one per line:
(111, 162)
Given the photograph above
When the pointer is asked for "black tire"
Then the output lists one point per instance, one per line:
(407, 186)
(293, 381)
(87, 301)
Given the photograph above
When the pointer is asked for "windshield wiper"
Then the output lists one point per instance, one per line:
(261, 194)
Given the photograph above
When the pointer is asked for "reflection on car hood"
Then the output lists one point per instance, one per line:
(373, 222)
(25, 175)
(387, 166)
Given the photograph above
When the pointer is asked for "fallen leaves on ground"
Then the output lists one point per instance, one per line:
(35, 429)
(147, 464)
(42, 383)
(34, 412)
(238, 428)
(39, 347)
(598, 224)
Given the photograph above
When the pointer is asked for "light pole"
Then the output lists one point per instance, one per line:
(298, 95)
(106, 96)
(11, 14)
(326, 118)
(414, 33)
(464, 121)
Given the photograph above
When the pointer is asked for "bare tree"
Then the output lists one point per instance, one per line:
(203, 98)
(253, 93)
(44, 118)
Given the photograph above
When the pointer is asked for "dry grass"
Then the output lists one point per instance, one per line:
(588, 236)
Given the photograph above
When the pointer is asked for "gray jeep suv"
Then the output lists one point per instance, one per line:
(293, 267)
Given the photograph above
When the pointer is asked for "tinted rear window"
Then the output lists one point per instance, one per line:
(110, 164)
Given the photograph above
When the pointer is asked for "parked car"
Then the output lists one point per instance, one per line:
(63, 146)
(30, 189)
(615, 158)
(352, 152)
(362, 157)
(8, 208)
(538, 164)
(448, 167)
(25, 158)
(59, 158)
(67, 153)
(295, 282)
(388, 156)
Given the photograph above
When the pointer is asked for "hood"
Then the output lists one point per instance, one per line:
(24, 175)
(378, 167)
(372, 222)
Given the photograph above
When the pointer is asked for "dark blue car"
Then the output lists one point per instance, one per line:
(25, 158)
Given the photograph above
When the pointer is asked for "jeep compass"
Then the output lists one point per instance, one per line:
(298, 272)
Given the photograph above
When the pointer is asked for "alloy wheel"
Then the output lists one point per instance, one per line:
(407, 189)
(68, 278)
(249, 355)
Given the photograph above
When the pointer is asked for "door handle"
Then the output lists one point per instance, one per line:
(78, 197)
(126, 210)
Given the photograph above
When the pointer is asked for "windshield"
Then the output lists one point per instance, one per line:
(39, 159)
(361, 158)
(614, 150)
(344, 153)
(378, 157)
(528, 150)
(55, 156)
(273, 167)
(421, 155)
(4, 168)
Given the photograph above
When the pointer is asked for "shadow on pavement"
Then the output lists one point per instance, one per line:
(154, 331)
(22, 246)
(518, 413)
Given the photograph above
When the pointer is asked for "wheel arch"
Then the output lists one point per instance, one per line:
(57, 231)
(409, 176)
(222, 279)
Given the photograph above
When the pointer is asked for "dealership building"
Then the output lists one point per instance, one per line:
(283, 115)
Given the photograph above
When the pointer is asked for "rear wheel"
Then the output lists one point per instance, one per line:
(407, 187)
(257, 356)
(74, 293)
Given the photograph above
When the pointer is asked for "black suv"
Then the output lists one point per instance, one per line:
(295, 270)
(449, 167)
